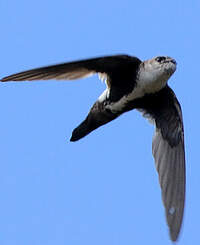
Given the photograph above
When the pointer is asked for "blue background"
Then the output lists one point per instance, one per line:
(103, 189)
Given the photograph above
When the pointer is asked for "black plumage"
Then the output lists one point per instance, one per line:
(133, 84)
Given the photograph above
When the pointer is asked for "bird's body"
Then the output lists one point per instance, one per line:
(133, 84)
(147, 81)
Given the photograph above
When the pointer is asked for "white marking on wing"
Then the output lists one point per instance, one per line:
(172, 210)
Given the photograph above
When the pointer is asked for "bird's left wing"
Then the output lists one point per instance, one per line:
(108, 65)
(168, 151)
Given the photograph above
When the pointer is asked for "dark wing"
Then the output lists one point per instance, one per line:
(108, 65)
(168, 151)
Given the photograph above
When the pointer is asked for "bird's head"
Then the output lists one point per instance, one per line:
(161, 65)
(154, 73)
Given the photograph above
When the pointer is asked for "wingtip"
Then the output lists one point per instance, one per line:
(4, 79)
(174, 234)
(173, 237)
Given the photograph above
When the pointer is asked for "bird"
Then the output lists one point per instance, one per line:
(141, 85)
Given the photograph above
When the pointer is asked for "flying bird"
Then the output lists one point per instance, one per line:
(133, 84)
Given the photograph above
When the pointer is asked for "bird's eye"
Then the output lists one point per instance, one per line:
(160, 58)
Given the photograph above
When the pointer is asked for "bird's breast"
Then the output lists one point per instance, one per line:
(151, 81)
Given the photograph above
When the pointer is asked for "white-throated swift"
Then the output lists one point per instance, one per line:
(133, 84)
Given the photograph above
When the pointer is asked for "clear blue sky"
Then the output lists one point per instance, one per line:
(103, 189)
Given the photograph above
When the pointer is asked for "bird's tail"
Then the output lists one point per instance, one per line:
(97, 117)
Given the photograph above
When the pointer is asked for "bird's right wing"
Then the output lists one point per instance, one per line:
(108, 65)
(170, 164)
(169, 153)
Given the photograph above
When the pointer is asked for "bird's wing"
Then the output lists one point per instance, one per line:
(109, 65)
(169, 154)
